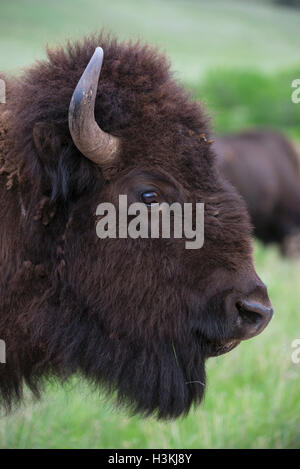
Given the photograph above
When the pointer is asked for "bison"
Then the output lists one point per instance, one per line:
(139, 316)
(264, 167)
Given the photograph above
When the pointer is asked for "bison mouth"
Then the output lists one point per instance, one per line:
(221, 349)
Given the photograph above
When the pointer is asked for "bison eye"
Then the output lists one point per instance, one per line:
(150, 197)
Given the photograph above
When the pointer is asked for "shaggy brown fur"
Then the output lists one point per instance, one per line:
(140, 316)
(263, 166)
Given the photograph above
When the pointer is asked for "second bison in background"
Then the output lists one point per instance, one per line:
(263, 166)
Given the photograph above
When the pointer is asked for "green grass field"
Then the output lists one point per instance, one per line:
(239, 57)
(197, 34)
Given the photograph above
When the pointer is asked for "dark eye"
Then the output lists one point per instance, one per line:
(150, 197)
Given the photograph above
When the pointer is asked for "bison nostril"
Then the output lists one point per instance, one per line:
(247, 315)
(254, 316)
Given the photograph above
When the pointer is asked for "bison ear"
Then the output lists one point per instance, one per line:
(47, 142)
(65, 175)
(49, 149)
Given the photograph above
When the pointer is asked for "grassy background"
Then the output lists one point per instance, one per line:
(240, 58)
(196, 34)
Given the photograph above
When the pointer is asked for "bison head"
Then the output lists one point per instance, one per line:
(139, 316)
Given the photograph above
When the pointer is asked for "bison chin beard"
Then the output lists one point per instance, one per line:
(163, 380)
(160, 378)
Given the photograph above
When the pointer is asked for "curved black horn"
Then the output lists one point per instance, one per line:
(97, 145)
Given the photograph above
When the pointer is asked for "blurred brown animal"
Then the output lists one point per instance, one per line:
(263, 166)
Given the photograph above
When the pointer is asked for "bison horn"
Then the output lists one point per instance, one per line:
(95, 144)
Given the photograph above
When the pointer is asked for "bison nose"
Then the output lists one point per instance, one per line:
(253, 316)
